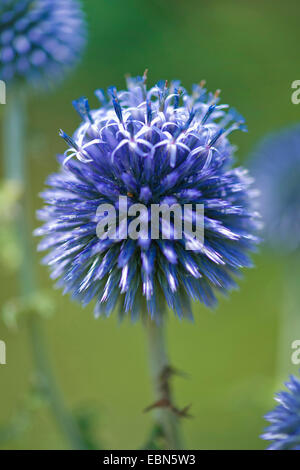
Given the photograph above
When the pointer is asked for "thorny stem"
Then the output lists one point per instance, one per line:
(160, 372)
(15, 170)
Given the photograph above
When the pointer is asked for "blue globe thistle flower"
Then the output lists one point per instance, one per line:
(39, 39)
(154, 146)
(284, 430)
(276, 166)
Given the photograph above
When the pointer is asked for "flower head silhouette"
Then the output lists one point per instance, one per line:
(276, 166)
(39, 39)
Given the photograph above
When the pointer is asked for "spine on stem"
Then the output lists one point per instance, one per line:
(166, 414)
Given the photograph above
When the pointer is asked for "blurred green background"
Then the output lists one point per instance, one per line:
(250, 50)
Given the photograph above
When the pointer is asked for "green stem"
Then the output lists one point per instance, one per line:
(14, 136)
(14, 131)
(289, 323)
(159, 364)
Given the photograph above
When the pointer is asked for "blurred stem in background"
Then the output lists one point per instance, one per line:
(14, 131)
(289, 323)
(167, 416)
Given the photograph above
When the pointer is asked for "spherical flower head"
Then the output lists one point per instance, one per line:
(284, 429)
(39, 39)
(276, 166)
(157, 146)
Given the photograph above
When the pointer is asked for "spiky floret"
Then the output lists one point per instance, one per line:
(156, 146)
(39, 39)
(276, 166)
(284, 429)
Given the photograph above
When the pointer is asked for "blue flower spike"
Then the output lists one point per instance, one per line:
(284, 430)
(154, 146)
